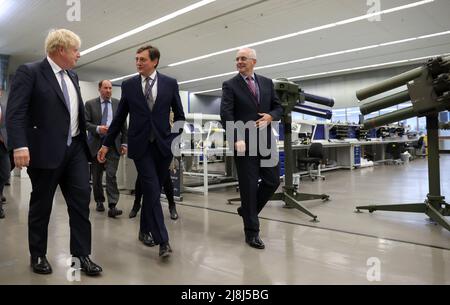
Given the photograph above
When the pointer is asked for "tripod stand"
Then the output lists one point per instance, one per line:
(434, 206)
(290, 195)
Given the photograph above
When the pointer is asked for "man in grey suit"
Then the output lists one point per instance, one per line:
(99, 115)
(5, 167)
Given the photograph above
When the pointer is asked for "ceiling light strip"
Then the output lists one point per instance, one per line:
(364, 67)
(207, 91)
(207, 77)
(323, 56)
(148, 25)
(303, 32)
(344, 70)
(123, 77)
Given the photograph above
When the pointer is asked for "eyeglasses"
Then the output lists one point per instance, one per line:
(242, 58)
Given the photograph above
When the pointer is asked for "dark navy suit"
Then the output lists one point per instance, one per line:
(239, 104)
(152, 159)
(38, 118)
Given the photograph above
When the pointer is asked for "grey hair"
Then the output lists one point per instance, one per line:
(251, 51)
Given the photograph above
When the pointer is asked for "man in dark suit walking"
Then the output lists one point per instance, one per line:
(250, 99)
(148, 98)
(99, 115)
(47, 131)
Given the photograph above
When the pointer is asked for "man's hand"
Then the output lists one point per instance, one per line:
(240, 146)
(123, 150)
(103, 129)
(101, 155)
(21, 158)
(264, 121)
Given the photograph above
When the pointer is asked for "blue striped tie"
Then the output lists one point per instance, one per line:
(67, 101)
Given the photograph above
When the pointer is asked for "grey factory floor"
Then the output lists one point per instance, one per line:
(208, 242)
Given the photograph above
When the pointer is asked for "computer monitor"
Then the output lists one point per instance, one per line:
(306, 128)
(319, 132)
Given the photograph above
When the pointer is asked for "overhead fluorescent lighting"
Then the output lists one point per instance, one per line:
(323, 56)
(365, 67)
(148, 25)
(205, 78)
(303, 32)
(207, 91)
(434, 35)
(5, 7)
(346, 70)
(123, 77)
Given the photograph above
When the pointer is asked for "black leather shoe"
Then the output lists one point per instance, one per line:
(134, 210)
(40, 265)
(113, 212)
(239, 211)
(147, 239)
(173, 213)
(255, 242)
(100, 207)
(132, 214)
(2, 213)
(165, 250)
(88, 266)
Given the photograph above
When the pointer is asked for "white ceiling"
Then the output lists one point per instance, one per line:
(221, 25)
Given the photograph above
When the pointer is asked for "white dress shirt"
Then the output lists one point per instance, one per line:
(155, 86)
(73, 96)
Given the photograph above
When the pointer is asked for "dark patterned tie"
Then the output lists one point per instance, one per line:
(150, 101)
(148, 92)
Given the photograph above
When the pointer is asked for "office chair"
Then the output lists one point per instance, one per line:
(315, 156)
(419, 148)
(394, 150)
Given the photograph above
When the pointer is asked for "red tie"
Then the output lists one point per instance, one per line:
(251, 85)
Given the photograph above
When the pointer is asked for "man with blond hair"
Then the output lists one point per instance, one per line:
(47, 132)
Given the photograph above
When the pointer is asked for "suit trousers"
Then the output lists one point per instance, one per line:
(153, 170)
(254, 195)
(110, 167)
(167, 187)
(72, 176)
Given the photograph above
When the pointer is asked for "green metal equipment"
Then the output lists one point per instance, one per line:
(292, 99)
(429, 92)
